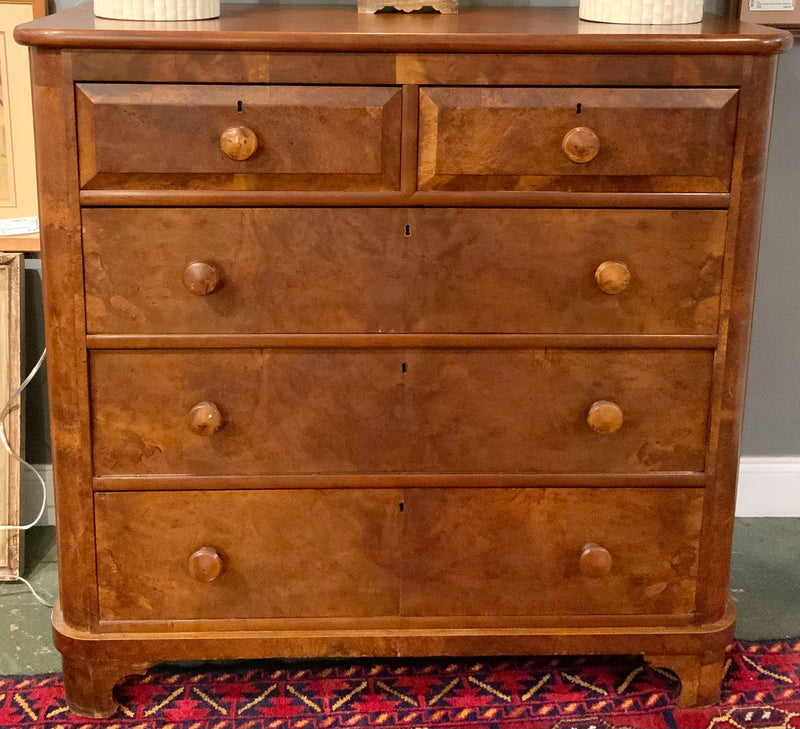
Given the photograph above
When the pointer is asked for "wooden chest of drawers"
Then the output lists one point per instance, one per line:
(396, 335)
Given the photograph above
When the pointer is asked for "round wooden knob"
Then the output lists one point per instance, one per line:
(612, 277)
(595, 561)
(205, 418)
(200, 278)
(605, 417)
(580, 144)
(205, 564)
(238, 143)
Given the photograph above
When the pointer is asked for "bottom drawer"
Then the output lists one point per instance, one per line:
(387, 552)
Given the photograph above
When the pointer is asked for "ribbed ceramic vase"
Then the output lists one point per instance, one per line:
(642, 12)
(157, 9)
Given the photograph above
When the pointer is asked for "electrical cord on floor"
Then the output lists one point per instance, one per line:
(11, 452)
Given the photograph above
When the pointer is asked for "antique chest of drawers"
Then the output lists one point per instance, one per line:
(396, 335)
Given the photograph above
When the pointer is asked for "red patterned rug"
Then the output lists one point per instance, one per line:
(760, 691)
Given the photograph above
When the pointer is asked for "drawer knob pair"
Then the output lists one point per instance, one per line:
(581, 144)
(605, 417)
(205, 418)
(206, 564)
(595, 561)
(238, 143)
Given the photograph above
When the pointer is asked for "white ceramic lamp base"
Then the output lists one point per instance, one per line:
(157, 9)
(642, 12)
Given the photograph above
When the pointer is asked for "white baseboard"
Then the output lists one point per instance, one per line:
(768, 486)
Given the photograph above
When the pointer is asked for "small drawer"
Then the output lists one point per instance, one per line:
(550, 551)
(232, 271)
(215, 137)
(577, 139)
(247, 554)
(329, 411)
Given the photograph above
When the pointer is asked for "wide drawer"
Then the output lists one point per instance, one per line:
(179, 271)
(581, 139)
(163, 136)
(197, 555)
(276, 411)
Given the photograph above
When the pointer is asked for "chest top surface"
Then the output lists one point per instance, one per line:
(326, 28)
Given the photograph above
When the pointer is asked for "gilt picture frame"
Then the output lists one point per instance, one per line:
(18, 200)
(777, 13)
(11, 295)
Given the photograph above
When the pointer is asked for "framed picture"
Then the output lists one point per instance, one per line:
(18, 206)
(11, 282)
(779, 13)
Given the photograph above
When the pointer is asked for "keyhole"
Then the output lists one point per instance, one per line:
(407, 232)
(404, 368)
(239, 106)
(402, 507)
(578, 108)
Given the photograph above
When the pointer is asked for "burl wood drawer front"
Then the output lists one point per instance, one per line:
(256, 554)
(416, 552)
(239, 137)
(581, 139)
(524, 551)
(179, 271)
(274, 411)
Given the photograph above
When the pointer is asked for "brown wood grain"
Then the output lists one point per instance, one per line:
(505, 69)
(700, 675)
(735, 327)
(307, 554)
(394, 271)
(554, 69)
(385, 340)
(334, 411)
(519, 410)
(521, 559)
(177, 482)
(474, 30)
(270, 264)
(164, 67)
(226, 67)
(346, 382)
(225, 191)
(309, 137)
(410, 131)
(89, 688)
(93, 665)
(533, 271)
(517, 551)
(397, 624)
(511, 138)
(67, 376)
